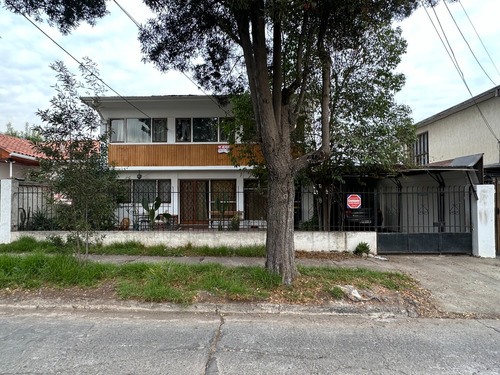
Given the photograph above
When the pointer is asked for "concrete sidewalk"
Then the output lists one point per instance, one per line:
(459, 284)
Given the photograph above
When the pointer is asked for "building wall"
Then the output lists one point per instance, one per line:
(465, 133)
(18, 171)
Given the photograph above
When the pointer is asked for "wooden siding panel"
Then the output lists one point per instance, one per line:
(124, 155)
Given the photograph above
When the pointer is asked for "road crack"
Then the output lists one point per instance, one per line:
(211, 367)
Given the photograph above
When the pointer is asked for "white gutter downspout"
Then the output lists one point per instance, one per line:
(11, 174)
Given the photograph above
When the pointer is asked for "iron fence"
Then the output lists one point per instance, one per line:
(403, 210)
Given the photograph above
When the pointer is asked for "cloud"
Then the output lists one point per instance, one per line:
(432, 83)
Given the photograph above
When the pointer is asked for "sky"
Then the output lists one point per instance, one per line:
(432, 82)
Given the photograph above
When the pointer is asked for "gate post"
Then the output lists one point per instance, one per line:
(483, 222)
(6, 200)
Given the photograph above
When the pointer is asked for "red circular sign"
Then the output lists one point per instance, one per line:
(353, 201)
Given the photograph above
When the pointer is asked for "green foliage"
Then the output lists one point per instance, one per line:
(362, 248)
(84, 186)
(336, 292)
(56, 244)
(179, 283)
(27, 244)
(151, 210)
(29, 133)
(234, 224)
(36, 270)
(360, 277)
(221, 206)
(43, 221)
(310, 225)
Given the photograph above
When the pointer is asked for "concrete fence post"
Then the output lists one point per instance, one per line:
(6, 198)
(483, 222)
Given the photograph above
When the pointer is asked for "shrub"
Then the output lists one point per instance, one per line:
(362, 248)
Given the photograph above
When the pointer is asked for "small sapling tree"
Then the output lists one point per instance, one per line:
(75, 163)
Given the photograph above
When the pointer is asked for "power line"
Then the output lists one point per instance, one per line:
(183, 73)
(477, 34)
(468, 45)
(79, 63)
(457, 66)
(449, 52)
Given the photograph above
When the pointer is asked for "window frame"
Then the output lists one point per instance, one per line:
(138, 121)
(124, 130)
(209, 126)
(421, 149)
(177, 123)
(153, 130)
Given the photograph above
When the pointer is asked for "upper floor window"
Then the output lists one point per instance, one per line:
(160, 130)
(199, 129)
(421, 149)
(183, 130)
(138, 130)
(205, 129)
(117, 130)
(145, 130)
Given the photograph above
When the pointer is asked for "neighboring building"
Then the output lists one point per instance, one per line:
(471, 127)
(17, 156)
(465, 136)
(174, 147)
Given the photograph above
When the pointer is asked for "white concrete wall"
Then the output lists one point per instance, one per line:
(483, 221)
(6, 197)
(306, 241)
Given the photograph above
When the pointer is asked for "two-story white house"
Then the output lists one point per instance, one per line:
(174, 147)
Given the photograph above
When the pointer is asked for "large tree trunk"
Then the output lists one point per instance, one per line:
(280, 248)
(274, 131)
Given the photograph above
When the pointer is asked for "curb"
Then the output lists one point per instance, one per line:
(333, 309)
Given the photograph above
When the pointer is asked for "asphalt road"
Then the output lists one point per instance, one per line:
(50, 342)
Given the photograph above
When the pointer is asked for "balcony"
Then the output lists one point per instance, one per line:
(167, 155)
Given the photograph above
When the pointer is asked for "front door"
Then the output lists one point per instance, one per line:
(194, 201)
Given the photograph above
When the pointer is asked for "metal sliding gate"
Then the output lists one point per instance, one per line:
(426, 220)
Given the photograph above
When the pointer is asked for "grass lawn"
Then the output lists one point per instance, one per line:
(45, 264)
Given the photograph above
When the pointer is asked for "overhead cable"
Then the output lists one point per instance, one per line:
(480, 39)
(468, 45)
(79, 63)
(457, 66)
(139, 26)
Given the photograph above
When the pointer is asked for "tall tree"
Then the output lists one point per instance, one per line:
(267, 45)
(271, 46)
(370, 132)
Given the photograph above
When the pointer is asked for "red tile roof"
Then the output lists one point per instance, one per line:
(16, 145)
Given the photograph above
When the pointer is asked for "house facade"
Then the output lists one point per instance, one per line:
(175, 148)
(471, 127)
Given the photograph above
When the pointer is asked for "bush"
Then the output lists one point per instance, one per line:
(362, 248)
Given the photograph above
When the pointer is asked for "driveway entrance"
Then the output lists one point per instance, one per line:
(426, 220)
